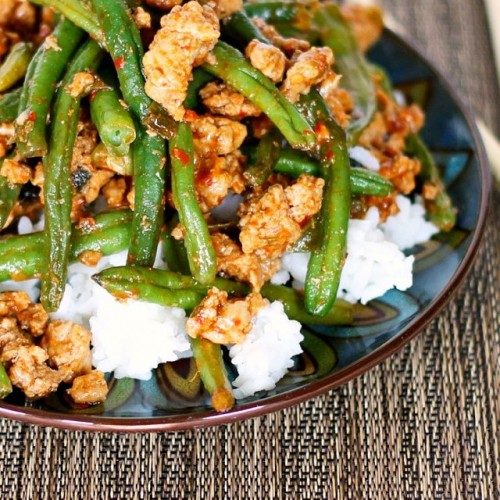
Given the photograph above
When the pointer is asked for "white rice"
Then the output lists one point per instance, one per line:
(267, 351)
(375, 262)
(365, 158)
(131, 338)
(372, 267)
(408, 227)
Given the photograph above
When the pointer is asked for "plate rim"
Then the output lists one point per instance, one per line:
(96, 423)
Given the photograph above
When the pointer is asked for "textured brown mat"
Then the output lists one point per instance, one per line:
(424, 424)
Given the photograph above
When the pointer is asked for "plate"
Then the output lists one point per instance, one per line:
(171, 400)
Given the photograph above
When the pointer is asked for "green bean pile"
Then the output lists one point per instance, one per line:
(143, 142)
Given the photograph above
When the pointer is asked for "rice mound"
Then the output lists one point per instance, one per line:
(266, 354)
(375, 262)
(408, 227)
(131, 338)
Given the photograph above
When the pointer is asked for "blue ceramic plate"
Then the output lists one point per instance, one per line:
(173, 399)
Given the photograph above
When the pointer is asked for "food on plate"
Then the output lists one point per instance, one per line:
(196, 180)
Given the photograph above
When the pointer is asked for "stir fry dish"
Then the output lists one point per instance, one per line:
(197, 179)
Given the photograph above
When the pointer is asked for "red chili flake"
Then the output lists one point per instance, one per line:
(322, 132)
(190, 115)
(92, 95)
(32, 116)
(181, 155)
(329, 155)
(119, 62)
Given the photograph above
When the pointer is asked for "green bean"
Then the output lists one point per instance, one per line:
(325, 265)
(200, 251)
(15, 65)
(157, 286)
(113, 122)
(336, 33)
(9, 105)
(208, 357)
(149, 181)
(273, 12)
(363, 181)
(122, 165)
(22, 256)
(232, 67)
(266, 156)
(124, 44)
(295, 163)
(200, 79)
(45, 71)
(440, 209)
(5, 383)
(288, 18)
(57, 172)
(240, 31)
(78, 12)
(9, 193)
(174, 250)
(185, 299)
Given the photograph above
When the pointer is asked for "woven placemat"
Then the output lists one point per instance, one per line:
(424, 424)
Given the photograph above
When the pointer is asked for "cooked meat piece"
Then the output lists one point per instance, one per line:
(385, 137)
(68, 348)
(34, 319)
(223, 100)
(304, 198)
(7, 131)
(142, 18)
(188, 33)
(309, 69)
(386, 205)
(11, 338)
(15, 171)
(12, 303)
(266, 58)
(90, 389)
(338, 100)
(267, 227)
(243, 267)
(90, 257)
(288, 45)
(223, 321)
(217, 135)
(215, 176)
(367, 23)
(115, 192)
(7, 8)
(430, 191)
(163, 4)
(98, 179)
(401, 171)
(29, 372)
(81, 84)
(85, 143)
(50, 43)
(224, 8)
(24, 16)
